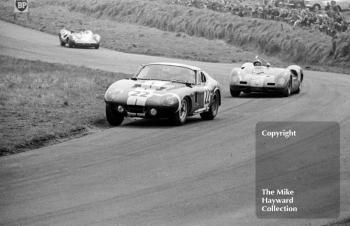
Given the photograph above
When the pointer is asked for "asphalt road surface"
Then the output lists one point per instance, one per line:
(150, 173)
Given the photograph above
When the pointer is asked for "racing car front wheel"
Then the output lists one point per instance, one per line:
(71, 44)
(287, 91)
(213, 110)
(180, 116)
(114, 118)
(62, 43)
(235, 93)
(97, 46)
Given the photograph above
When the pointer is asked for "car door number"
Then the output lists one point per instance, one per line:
(203, 98)
(139, 93)
(206, 97)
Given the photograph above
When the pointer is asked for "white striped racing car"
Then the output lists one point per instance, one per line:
(163, 90)
(84, 38)
(261, 77)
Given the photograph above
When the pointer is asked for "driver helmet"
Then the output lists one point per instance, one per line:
(257, 63)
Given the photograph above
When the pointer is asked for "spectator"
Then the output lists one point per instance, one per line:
(330, 22)
(327, 7)
(334, 7)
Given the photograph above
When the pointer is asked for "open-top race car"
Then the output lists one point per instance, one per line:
(85, 38)
(261, 77)
(164, 90)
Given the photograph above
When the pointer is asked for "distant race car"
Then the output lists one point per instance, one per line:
(85, 38)
(164, 90)
(259, 77)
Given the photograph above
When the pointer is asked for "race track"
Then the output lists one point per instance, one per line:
(148, 172)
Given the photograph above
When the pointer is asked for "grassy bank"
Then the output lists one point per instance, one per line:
(43, 103)
(268, 37)
(127, 37)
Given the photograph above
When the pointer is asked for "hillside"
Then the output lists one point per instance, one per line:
(192, 33)
(269, 37)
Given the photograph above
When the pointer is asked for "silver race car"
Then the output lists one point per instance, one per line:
(85, 38)
(164, 90)
(259, 76)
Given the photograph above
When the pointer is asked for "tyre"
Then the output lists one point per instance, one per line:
(97, 46)
(62, 43)
(114, 118)
(287, 91)
(235, 93)
(180, 117)
(213, 110)
(298, 90)
(71, 44)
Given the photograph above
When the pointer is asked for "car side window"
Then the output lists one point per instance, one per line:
(203, 78)
(294, 74)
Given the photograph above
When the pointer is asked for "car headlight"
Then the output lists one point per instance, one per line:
(281, 81)
(112, 94)
(169, 100)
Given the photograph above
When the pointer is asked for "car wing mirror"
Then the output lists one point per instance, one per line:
(189, 84)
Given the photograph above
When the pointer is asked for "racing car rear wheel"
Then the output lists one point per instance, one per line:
(235, 93)
(97, 46)
(114, 118)
(62, 43)
(213, 110)
(180, 116)
(287, 91)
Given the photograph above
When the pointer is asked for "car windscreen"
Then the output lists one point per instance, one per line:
(167, 73)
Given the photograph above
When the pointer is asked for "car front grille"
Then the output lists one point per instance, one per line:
(135, 109)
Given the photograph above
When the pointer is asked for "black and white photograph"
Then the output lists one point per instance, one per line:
(175, 112)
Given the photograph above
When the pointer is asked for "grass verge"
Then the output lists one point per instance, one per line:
(43, 103)
(343, 222)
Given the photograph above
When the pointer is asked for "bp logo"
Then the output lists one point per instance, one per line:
(21, 5)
